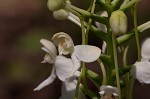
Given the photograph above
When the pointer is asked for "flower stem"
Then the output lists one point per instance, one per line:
(136, 31)
(77, 88)
(81, 11)
(126, 75)
(103, 72)
(138, 46)
(116, 65)
(84, 41)
(132, 80)
(91, 8)
(83, 75)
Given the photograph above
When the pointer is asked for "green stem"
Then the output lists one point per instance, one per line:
(83, 31)
(77, 88)
(136, 32)
(103, 72)
(67, 8)
(108, 2)
(83, 75)
(126, 75)
(138, 47)
(81, 11)
(131, 87)
(92, 8)
(125, 55)
(110, 53)
(116, 65)
(84, 41)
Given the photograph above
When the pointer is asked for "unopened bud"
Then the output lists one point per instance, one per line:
(118, 22)
(55, 5)
(60, 14)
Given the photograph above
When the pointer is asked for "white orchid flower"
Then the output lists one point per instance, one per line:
(145, 50)
(141, 71)
(66, 46)
(64, 43)
(68, 90)
(62, 66)
(108, 92)
(85, 53)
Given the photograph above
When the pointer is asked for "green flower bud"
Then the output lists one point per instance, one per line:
(118, 22)
(60, 14)
(55, 5)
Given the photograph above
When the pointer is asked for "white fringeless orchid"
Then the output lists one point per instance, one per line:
(68, 90)
(66, 68)
(64, 43)
(108, 92)
(85, 53)
(61, 65)
(141, 71)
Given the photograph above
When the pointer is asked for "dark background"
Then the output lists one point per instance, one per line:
(22, 24)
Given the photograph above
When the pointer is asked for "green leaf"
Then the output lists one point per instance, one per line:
(105, 59)
(128, 5)
(115, 4)
(100, 34)
(104, 6)
(122, 71)
(100, 19)
(124, 38)
(92, 95)
(94, 77)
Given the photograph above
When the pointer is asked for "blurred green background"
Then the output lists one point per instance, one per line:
(22, 24)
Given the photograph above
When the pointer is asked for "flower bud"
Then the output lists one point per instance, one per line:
(60, 14)
(118, 22)
(55, 5)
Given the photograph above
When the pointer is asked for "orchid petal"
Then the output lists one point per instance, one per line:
(101, 26)
(87, 53)
(50, 49)
(48, 81)
(76, 63)
(64, 43)
(141, 71)
(68, 90)
(104, 47)
(48, 58)
(63, 67)
(145, 50)
(106, 92)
